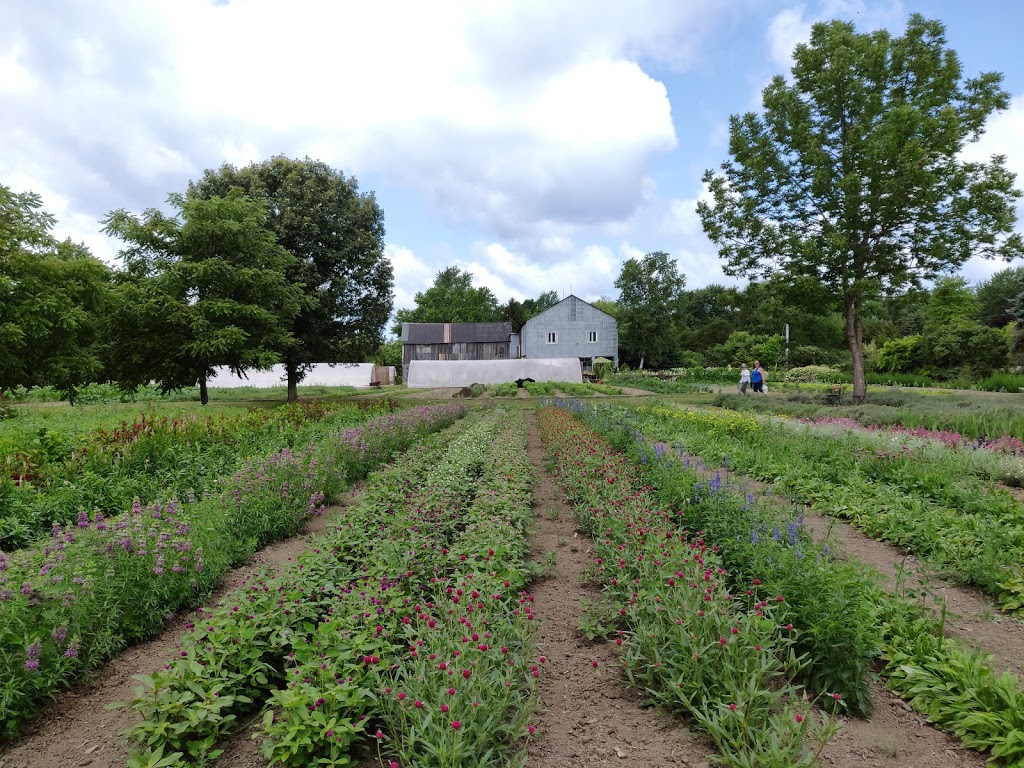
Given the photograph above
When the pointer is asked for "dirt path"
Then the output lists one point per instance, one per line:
(587, 717)
(77, 729)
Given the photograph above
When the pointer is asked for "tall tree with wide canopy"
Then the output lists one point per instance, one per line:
(651, 302)
(451, 299)
(200, 289)
(336, 234)
(52, 298)
(854, 173)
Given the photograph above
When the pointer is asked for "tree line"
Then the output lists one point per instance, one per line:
(278, 262)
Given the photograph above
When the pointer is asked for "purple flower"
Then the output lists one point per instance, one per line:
(72, 650)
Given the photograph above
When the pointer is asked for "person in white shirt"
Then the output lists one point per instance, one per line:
(744, 378)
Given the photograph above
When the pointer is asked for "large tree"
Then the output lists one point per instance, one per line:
(650, 305)
(336, 234)
(52, 297)
(854, 173)
(203, 288)
(451, 299)
(997, 296)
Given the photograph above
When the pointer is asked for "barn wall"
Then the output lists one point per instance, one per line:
(571, 320)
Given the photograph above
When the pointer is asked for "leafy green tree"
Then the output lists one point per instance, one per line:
(854, 174)
(336, 234)
(651, 304)
(952, 342)
(52, 298)
(608, 306)
(451, 299)
(997, 296)
(203, 288)
(902, 355)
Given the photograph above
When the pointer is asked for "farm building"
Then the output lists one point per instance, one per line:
(321, 374)
(571, 328)
(454, 341)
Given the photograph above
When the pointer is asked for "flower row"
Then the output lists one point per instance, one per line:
(79, 597)
(725, 657)
(404, 628)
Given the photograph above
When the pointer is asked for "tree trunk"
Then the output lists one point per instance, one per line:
(293, 383)
(855, 338)
(204, 395)
(641, 363)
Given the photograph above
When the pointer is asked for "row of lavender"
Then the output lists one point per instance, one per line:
(78, 598)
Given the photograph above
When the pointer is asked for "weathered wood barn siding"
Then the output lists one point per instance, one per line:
(453, 341)
(571, 328)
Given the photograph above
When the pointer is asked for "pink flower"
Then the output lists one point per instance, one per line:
(799, 718)
(418, 704)
(456, 724)
(444, 707)
(732, 707)
(594, 663)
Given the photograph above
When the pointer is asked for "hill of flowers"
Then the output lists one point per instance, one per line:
(79, 597)
(404, 632)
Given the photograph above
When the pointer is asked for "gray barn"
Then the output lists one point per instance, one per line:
(454, 341)
(571, 328)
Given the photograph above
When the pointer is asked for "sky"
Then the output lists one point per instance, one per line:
(537, 144)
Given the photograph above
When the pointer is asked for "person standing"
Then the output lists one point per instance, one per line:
(744, 379)
(757, 378)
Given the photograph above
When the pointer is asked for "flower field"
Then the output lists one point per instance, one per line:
(404, 634)
(404, 631)
(933, 500)
(78, 597)
(840, 616)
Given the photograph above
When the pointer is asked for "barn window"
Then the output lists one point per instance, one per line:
(592, 336)
(552, 338)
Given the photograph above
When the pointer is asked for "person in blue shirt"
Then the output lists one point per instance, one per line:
(757, 378)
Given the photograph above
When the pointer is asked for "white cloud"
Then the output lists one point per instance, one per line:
(412, 274)
(518, 117)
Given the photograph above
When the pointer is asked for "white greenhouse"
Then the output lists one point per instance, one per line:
(463, 373)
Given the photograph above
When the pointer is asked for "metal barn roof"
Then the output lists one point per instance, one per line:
(454, 333)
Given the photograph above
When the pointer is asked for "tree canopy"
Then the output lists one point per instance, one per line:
(336, 235)
(650, 305)
(200, 289)
(52, 297)
(854, 174)
(451, 299)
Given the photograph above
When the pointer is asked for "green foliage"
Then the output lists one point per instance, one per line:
(335, 233)
(650, 303)
(901, 355)
(201, 289)
(75, 600)
(853, 174)
(451, 299)
(52, 298)
(997, 296)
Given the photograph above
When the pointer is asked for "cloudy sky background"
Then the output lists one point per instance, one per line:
(537, 144)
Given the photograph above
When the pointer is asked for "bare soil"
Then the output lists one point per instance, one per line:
(587, 716)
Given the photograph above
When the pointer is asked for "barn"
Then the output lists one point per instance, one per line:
(454, 341)
(571, 328)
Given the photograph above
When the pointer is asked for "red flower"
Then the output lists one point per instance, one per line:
(466, 673)
(456, 724)
(594, 663)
